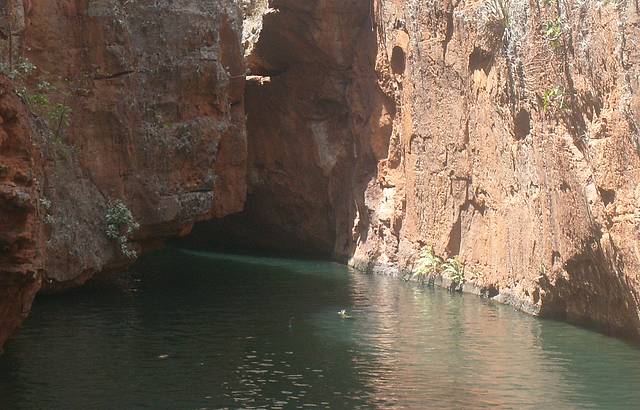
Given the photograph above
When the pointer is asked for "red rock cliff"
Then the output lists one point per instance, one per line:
(515, 146)
(153, 95)
(501, 131)
(20, 227)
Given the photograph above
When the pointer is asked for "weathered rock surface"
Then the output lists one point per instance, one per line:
(317, 123)
(515, 149)
(501, 131)
(156, 91)
(20, 228)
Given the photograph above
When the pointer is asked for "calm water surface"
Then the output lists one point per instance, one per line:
(201, 330)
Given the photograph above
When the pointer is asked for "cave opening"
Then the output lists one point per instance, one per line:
(398, 60)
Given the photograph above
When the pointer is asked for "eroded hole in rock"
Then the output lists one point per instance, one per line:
(455, 237)
(492, 291)
(480, 60)
(522, 124)
(267, 72)
(398, 60)
(607, 195)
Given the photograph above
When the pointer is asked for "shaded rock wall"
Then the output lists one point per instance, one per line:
(317, 124)
(20, 228)
(156, 94)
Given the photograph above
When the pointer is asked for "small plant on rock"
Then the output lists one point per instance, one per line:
(120, 225)
(500, 10)
(39, 98)
(45, 86)
(553, 32)
(59, 117)
(46, 206)
(453, 268)
(22, 69)
(496, 21)
(428, 263)
(553, 98)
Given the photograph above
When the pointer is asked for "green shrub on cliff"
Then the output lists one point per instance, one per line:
(499, 10)
(553, 32)
(428, 263)
(495, 21)
(120, 225)
(41, 98)
(553, 98)
(59, 117)
(22, 69)
(453, 268)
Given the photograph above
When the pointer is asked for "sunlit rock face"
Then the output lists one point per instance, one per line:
(502, 132)
(515, 146)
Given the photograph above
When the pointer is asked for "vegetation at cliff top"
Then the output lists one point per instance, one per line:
(120, 225)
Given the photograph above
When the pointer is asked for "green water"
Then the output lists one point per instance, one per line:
(198, 330)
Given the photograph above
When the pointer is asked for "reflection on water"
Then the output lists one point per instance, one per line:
(201, 330)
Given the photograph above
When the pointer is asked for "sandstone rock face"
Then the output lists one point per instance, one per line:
(501, 131)
(20, 228)
(313, 140)
(515, 146)
(155, 91)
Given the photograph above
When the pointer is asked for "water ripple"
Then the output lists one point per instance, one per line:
(217, 331)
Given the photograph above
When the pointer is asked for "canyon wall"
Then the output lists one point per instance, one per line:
(20, 228)
(504, 132)
(516, 147)
(311, 72)
(144, 108)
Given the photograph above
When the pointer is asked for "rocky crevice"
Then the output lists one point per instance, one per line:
(311, 88)
(20, 231)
